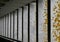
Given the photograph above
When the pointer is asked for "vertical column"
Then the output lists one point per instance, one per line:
(15, 25)
(55, 20)
(11, 15)
(25, 24)
(20, 24)
(7, 25)
(3, 27)
(43, 21)
(33, 22)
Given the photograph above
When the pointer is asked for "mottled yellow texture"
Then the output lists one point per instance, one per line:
(56, 24)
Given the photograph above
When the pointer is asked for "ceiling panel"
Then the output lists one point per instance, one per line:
(3, 2)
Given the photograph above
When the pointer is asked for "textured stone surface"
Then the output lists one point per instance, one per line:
(55, 21)
(15, 25)
(33, 22)
(25, 24)
(20, 24)
(11, 25)
(42, 18)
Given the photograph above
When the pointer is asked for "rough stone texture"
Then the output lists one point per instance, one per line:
(25, 24)
(20, 24)
(33, 22)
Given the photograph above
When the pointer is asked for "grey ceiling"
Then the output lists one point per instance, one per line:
(3, 2)
(10, 5)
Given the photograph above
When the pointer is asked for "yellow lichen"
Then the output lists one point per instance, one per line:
(56, 24)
